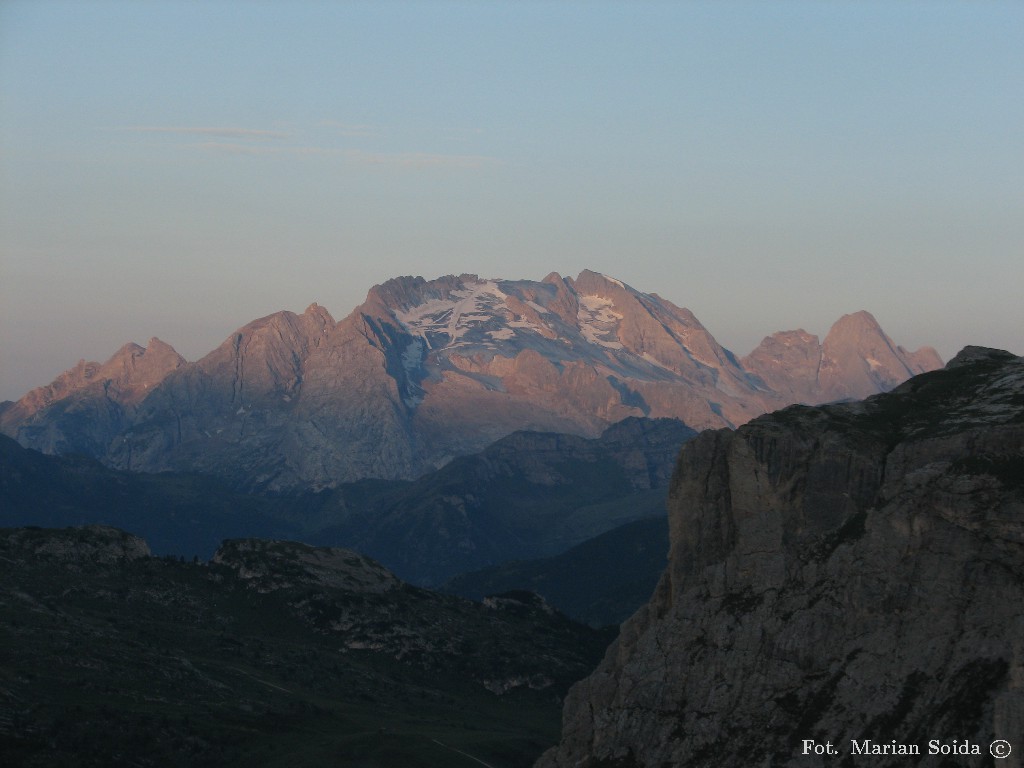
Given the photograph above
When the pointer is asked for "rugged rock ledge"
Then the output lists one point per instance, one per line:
(838, 573)
(72, 547)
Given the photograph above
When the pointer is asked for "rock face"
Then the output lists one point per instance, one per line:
(840, 574)
(855, 361)
(424, 371)
(84, 407)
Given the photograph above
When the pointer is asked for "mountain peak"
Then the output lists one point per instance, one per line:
(157, 348)
(973, 354)
(859, 359)
(596, 283)
(860, 321)
(316, 311)
(123, 379)
(127, 350)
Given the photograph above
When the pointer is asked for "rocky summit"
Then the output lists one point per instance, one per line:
(843, 580)
(81, 409)
(424, 371)
(856, 360)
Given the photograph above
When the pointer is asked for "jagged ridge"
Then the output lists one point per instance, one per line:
(424, 371)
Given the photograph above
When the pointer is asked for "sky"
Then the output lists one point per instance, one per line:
(178, 169)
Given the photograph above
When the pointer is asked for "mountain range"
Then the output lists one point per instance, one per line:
(529, 495)
(424, 371)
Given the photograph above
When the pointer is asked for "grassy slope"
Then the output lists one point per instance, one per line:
(163, 663)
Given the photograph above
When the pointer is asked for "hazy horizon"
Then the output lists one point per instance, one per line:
(177, 169)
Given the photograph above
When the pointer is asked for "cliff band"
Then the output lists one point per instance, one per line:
(838, 574)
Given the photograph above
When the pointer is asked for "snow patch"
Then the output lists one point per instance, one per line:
(457, 314)
(655, 361)
(412, 355)
(701, 360)
(598, 320)
(412, 362)
(462, 314)
(613, 280)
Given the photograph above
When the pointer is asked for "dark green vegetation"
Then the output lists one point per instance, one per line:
(274, 654)
(528, 495)
(600, 582)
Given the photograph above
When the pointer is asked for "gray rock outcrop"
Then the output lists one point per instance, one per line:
(273, 565)
(73, 548)
(850, 575)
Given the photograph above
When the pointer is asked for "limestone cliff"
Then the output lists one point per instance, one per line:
(837, 574)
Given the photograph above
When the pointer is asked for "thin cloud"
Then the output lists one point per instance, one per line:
(224, 133)
(400, 160)
(226, 148)
(420, 160)
(350, 130)
(231, 148)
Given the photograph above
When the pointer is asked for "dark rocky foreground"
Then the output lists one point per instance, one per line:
(272, 654)
(849, 575)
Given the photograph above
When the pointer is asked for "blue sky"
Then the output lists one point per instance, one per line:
(177, 169)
